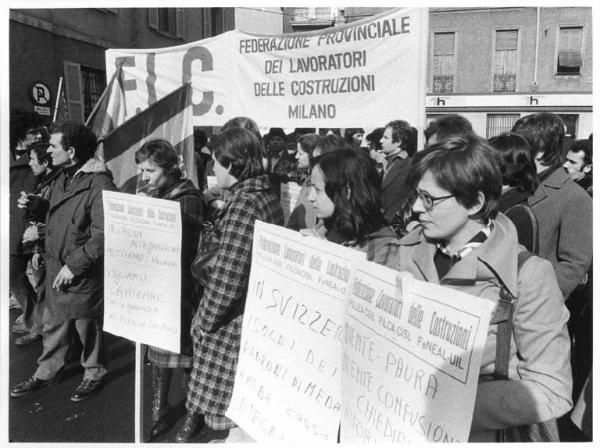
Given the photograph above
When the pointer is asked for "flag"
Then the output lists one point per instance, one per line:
(169, 118)
(110, 110)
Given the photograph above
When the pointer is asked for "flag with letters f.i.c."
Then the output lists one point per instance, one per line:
(170, 119)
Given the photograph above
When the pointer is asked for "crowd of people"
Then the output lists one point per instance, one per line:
(506, 217)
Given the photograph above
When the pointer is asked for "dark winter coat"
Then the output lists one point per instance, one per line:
(75, 237)
(21, 179)
(193, 212)
(564, 213)
(217, 325)
(393, 186)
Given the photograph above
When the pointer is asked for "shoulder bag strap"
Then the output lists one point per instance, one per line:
(505, 327)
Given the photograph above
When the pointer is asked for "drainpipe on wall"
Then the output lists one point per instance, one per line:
(535, 57)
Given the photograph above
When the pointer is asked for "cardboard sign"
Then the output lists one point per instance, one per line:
(329, 338)
(411, 359)
(288, 383)
(142, 269)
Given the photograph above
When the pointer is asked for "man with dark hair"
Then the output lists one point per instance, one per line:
(579, 163)
(563, 209)
(33, 239)
(397, 143)
(279, 162)
(451, 125)
(24, 131)
(74, 249)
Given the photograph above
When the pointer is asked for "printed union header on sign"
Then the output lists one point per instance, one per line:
(360, 74)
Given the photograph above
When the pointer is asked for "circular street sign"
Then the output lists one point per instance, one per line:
(40, 94)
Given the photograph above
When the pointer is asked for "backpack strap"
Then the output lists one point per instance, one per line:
(505, 327)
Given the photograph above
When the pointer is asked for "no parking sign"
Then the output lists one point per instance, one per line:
(40, 95)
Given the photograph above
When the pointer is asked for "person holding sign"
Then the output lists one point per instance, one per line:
(464, 244)
(217, 324)
(345, 195)
(158, 164)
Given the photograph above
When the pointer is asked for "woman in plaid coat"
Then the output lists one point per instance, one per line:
(217, 324)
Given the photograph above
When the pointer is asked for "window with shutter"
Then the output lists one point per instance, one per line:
(73, 91)
(153, 18)
(93, 83)
(505, 61)
(180, 22)
(570, 58)
(167, 21)
(443, 62)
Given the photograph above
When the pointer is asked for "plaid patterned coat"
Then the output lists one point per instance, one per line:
(221, 308)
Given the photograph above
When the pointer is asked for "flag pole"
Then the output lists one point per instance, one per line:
(58, 96)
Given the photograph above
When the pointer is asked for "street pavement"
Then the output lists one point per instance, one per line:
(48, 415)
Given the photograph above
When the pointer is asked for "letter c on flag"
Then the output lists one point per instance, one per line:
(202, 54)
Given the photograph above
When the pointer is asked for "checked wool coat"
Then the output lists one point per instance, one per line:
(217, 325)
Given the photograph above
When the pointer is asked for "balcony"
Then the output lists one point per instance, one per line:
(311, 17)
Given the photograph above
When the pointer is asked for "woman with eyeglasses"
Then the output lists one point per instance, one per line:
(345, 194)
(463, 244)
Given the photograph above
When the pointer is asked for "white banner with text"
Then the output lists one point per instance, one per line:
(360, 74)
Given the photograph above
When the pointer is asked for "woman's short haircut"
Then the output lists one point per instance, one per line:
(516, 162)
(403, 132)
(248, 124)
(329, 143)
(353, 185)
(241, 150)
(545, 133)
(41, 151)
(308, 142)
(464, 167)
(162, 154)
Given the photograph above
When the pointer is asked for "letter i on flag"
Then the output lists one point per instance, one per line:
(170, 119)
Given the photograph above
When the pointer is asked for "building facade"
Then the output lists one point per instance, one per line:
(494, 65)
(49, 44)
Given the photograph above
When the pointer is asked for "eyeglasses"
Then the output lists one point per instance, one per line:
(429, 201)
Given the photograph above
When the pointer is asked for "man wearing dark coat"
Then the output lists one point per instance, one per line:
(397, 145)
(74, 249)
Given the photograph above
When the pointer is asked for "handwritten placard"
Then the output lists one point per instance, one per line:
(142, 274)
(411, 359)
(288, 383)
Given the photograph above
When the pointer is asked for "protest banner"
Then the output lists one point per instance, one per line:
(290, 193)
(360, 74)
(411, 359)
(287, 386)
(142, 274)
